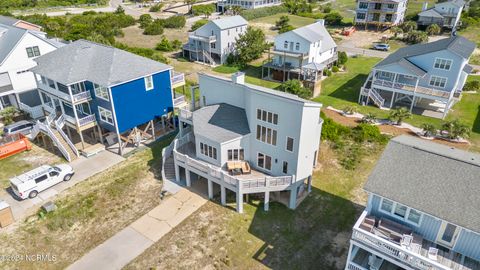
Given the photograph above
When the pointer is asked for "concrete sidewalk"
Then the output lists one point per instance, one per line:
(83, 167)
(132, 241)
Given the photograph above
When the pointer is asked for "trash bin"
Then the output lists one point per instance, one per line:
(6, 216)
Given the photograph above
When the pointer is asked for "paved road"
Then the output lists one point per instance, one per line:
(132, 241)
(360, 51)
(84, 168)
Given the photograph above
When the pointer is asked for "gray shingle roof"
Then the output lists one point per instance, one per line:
(220, 122)
(316, 32)
(8, 20)
(431, 12)
(436, 179)
(456, 44)
(230, 22)
(84, 60)
(9, 37)
(468, 68)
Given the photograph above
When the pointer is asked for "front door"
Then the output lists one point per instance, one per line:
(447, 235)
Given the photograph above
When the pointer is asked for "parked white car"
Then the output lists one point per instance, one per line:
(29, 184)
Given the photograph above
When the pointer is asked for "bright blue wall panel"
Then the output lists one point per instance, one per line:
(102, 103)
(134, 105)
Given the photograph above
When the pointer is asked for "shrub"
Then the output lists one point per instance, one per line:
(349, 110)
(333, 18)
(156, 7)
(429, 130)
(333, 131)
(8, 114)
(408, 26)
(366, 132)
(455, 130)
(433, 29)
(145, 20)
(369, 118)
(174, 22)
(251, 14)
(472, 86)
(155, 28)
(335, 69)
(399, 115)
(327, 8)
(342, 58)
(295, 87)
(198, 24)
(206, 10)
(177, 44)
(415, 37)
(164, 45)
(145, 52)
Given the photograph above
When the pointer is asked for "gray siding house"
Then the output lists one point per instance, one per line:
(212, 43)
(427, 78)
(445, 14)
(246, 139)
(380, 13)
(423, 217)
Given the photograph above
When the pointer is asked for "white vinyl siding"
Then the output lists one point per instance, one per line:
(105, 115)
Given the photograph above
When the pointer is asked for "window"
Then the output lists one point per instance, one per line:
(384, 74)
(33, 51)
(51, 83)
(149, 83)
(285, 167)
(53, 173)
(289, 144)
(438, 81)
(390, 6)
(236, 154)
(212, 45)
(208, 150)
(266, 135)
(361, 16)
(266, 116)
(387, 205)
(401, 211)
(41, 178)
(297, 46)
(285, 45)
(105, 115)
(363, 5)
(264, 161)
(442, 64)
(101, 92)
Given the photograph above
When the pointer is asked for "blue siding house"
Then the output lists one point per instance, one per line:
(422, 211)
(426, 78)
(95, 93)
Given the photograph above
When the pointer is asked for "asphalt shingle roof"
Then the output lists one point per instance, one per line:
(230, 22)
(221, 122)
(436, 179)
(9, 37)
(316, 32)
(431, 12)
(456, 44)
(85, 60)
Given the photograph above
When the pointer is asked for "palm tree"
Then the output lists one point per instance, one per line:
(455, 129)
(396, 31)
(429, 130)
(399, 115)
(433, 29)
(369, 118)
(236, 10)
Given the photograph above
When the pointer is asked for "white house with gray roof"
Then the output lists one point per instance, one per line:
(426, 78)
(246, 139)
(422, 211)
(213, 42)
(445, 14)
(303, 54)
(380, 13)
(20, 44)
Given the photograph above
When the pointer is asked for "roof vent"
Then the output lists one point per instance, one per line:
(238, 77)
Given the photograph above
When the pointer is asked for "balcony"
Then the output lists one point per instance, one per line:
(185, 155)
(385, 236)
(388, 85)
(84, 120)
(177, 79)
(290, 53)
(81, 97)
(78, 97)
(185, 116)
(208, 39)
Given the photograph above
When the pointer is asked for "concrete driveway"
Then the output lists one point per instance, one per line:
(84, 168)
(360, 51)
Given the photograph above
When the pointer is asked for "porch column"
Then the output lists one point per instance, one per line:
(120, 148)
(292, 204)
(163, 123)
(210, 189)
(411, 105)
(223, 195)
(177, 172)
(349, 256)
(188, 177)
(393, 97)
(266, 201)
(239, 195)
(309, 185)
(76, 117)
(100, 133)
(447, 108)
(153, 129)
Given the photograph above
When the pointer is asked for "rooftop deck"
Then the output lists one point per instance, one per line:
(386, 235)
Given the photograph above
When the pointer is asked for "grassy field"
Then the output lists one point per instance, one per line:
(295, 21)
(472, 33)
(314, 236)
(22, 162)
(342, 89)
(90, 212)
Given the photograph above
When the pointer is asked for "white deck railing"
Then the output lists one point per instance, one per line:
(412, 88)
(217, 173)
(185, 114)
(178, 101)
(81, 96)
(177, 78)
(59, 123)
(392, 249)
(34, 112)
(47, 130)
(86, 120)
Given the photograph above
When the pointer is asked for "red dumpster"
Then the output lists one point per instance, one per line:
(13, 144)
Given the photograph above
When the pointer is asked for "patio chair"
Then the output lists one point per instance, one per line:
(406, 240)
(246, 168)
(416, 248)
(432, 253)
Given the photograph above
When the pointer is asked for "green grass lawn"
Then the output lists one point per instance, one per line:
(342, 89)
(472, 33)
(226, 69)
(295, 21)
(415, 6)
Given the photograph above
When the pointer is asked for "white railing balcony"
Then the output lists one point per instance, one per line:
(54, 91)
(209, 39)
(178, 101)
(85, 120)
(34, 112)
(82, 96)
(177, 79)
(393, 249)
(185, 115)
(411, 88)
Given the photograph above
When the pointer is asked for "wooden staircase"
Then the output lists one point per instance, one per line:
(65, 144)
(169, 169)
